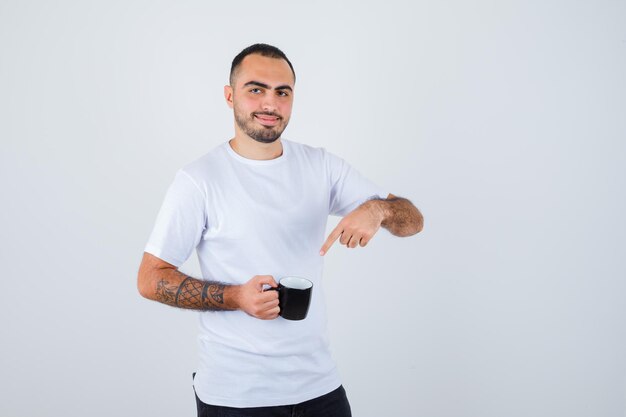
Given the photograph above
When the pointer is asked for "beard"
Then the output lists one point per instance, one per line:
(263, 134)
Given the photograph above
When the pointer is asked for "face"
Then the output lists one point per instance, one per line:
(261, 97)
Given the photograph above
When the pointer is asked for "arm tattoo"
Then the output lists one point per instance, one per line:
(165, 293)
(192, 293)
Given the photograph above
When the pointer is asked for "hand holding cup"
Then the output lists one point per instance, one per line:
(256, 302)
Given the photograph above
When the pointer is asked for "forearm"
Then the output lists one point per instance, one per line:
(172, 287)
(399, 216)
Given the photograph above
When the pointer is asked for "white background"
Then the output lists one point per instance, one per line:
(504, 122)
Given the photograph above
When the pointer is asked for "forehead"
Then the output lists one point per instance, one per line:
(271, 71)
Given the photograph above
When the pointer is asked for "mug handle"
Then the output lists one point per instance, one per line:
(272, 288)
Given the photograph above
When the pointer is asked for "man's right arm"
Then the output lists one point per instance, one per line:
(161, 281)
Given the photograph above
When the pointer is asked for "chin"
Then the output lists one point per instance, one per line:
(264, 140)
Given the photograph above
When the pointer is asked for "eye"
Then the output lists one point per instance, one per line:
(255, 89)
(283, 93)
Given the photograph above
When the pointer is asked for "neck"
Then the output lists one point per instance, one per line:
(251, 149)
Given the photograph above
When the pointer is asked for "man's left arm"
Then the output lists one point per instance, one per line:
(396, 214)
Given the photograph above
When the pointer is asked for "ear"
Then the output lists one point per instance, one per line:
(228, 95)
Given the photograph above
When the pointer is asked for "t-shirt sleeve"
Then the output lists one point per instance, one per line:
(180, 222)
(348, 188)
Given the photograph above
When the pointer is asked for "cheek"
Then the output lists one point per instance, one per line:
(285, 109)
(247, 104)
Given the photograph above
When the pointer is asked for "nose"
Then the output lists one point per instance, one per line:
(269, 103)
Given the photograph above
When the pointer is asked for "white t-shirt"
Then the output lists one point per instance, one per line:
(249, 217)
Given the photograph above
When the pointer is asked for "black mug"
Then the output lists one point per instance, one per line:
(294, 297)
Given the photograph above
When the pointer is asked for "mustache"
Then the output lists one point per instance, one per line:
(267, 114)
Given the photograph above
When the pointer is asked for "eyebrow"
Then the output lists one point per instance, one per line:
(260, 84)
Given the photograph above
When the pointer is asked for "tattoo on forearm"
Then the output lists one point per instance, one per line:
(189, 293)
(165, 293)
(216, 294)
(192, 293)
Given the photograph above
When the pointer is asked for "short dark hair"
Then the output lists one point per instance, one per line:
(262, 49)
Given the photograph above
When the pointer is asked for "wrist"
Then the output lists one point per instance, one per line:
(379, 209)
(232, 297)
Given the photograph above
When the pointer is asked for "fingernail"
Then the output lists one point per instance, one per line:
(322, 253)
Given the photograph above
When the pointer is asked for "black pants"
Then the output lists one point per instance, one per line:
(333, 404)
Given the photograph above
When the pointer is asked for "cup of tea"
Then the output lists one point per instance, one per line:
(294, 297)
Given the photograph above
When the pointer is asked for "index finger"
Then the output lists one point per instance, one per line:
(265, 279)
(334, 235)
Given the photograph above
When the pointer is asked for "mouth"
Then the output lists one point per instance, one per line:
(267, 120)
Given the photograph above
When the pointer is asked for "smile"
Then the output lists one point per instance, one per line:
(267, 120)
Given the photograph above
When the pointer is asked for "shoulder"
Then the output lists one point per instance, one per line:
(302, 149)
(204, 170)
(207, 165)
(309, 152)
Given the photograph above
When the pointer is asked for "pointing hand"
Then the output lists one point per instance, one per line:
(357, 228)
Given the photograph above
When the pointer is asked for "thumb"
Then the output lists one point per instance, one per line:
(266, 279)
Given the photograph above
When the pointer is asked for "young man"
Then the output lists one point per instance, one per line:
(255, 208)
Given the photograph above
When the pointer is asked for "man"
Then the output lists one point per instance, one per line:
(255, 208)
